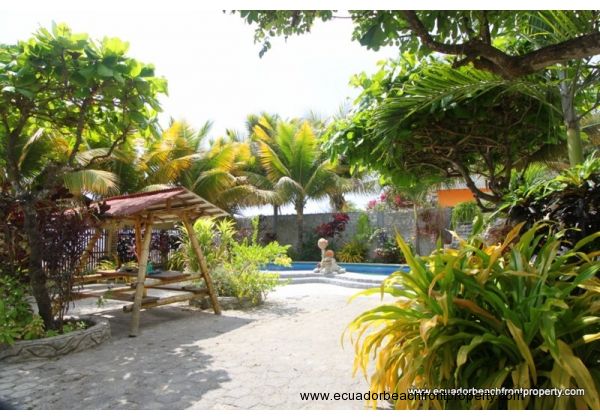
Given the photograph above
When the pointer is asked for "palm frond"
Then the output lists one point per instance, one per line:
(92, 181)
(271, 162)
(156, 187)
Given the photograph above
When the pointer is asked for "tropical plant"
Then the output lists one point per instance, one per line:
(308, 251)
(363, 230)
(590, 124)
(242, 275)
(520, 314)
(533, 175)
(354, 251)
(386, 249)
(334, 228)
(214, 169)
(571, 199)
(17, 320)
(577, 80)
(215, 238)
(294, 163)
(465, 213)
(236, 266)
(66, 102)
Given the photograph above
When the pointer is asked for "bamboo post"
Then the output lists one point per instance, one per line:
(138, 238)
(141, 276)
(88, 249)
(203, 267)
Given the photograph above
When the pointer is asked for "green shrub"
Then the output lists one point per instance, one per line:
(241, 275)
(234, 266)
(353, 252)
(17, 320)
(386, 248)
(464, 213)
(364, 230)
(524, 314)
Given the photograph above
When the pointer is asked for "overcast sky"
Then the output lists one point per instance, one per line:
(211, 62)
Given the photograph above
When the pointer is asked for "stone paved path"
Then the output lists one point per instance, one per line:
(184, 358)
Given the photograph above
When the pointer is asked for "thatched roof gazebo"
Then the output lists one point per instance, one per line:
(143, 211)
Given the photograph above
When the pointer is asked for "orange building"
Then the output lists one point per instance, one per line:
(453, 196)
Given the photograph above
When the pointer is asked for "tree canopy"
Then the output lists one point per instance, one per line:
(423, 119)
(480, 37)
(66, 103)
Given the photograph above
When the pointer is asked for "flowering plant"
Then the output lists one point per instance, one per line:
(333, 228)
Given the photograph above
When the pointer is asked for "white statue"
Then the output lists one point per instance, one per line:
(328, 266)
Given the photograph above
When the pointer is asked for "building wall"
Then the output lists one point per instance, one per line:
(452, 197)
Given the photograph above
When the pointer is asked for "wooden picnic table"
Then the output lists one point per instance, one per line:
(143, 211)
(158, 275)
(164, 279)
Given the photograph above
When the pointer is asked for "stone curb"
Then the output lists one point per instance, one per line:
(226, 303)
(51, 347)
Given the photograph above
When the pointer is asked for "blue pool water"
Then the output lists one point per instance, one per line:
(381, 269)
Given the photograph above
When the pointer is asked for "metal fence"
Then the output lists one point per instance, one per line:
(162, 246)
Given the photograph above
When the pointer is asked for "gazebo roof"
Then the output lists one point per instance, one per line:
(165, 206)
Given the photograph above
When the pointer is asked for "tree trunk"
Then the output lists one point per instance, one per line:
(417, 242)
(300, 223)
(275, 219)
(338, 202)
(574, 143)
(37, 277)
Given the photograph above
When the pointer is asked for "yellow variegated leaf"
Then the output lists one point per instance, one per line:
(575, 367)
(520, 378)
(426, 325)
(588, 338)
(523, 348)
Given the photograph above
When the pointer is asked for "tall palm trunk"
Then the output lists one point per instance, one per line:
(275, 219)
(574, 143)
(417, 241)
(37, 277)
(300, 223)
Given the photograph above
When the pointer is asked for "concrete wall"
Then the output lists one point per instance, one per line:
(287, 228)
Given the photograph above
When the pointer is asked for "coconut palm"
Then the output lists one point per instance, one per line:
(294, 163)
(36, 153)
(213, 169)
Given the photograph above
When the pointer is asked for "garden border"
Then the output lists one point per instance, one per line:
(60, 345)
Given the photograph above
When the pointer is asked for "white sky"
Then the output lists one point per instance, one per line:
(211, 62)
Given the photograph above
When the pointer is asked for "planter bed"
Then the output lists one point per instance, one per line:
(52, 347)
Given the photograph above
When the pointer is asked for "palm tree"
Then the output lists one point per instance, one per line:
(255, 172)
(213, 169)
(294, 163)
(36, 153)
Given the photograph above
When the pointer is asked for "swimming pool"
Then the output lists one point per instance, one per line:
(381, 269)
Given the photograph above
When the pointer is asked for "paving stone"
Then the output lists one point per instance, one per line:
(259, 358)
